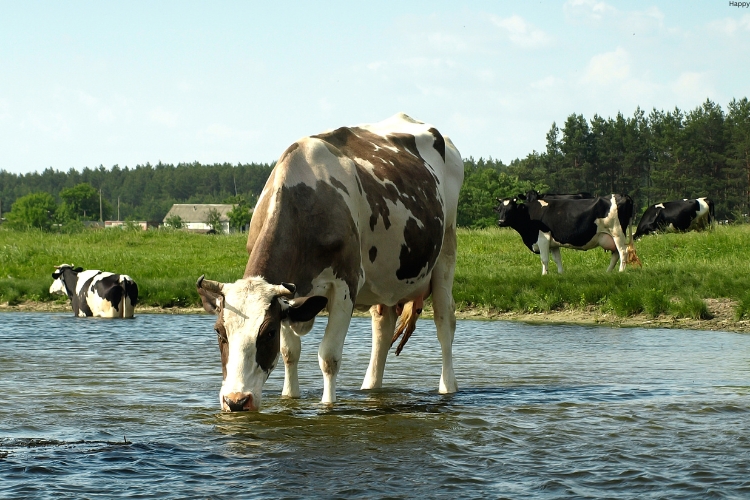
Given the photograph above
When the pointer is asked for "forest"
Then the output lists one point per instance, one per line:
(654, 157)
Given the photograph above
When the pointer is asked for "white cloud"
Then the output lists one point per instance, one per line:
(608, 68)
(522, 33)
(730, 26)
(217, 132)
(588, 9)
(4, 109)
(693, 87)
(163, 117)
(547, 83)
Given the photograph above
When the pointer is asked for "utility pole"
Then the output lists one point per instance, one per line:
(100, 205)
(118, 209)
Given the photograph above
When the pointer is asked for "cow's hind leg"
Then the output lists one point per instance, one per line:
(557, 258)
(613, 261)
(291, 348)
(383, 324)
(444, 308)
(542, 243)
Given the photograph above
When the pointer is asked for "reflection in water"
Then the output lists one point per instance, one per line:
(106, 408)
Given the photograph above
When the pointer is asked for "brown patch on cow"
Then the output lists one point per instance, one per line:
(330, 366)
(310, 230)
(439, 143)
(338, 185)
(221, 335)
(373, 253)
(268, 342)
(410, 182)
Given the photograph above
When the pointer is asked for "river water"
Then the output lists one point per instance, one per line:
(99, 409)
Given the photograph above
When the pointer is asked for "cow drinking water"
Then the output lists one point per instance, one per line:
(96, 293)
(358, 217)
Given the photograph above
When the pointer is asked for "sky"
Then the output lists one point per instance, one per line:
(84, 84)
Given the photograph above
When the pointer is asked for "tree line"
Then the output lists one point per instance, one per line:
(656, 157)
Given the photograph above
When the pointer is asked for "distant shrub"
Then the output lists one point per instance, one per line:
(690, 307)
(626, 302)
(655, 302)
(743, 307)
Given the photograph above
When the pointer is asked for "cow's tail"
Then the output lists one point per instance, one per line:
(406, 325)
(632, 257)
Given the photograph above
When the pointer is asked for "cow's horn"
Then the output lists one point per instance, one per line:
(286, 289)
(210, 285)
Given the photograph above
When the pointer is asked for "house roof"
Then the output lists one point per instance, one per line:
(198, 212)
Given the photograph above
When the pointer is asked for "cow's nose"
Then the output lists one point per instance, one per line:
(239, 401)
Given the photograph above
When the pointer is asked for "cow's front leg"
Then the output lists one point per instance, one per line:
(340, 307)
(291, 347)
(383, 324)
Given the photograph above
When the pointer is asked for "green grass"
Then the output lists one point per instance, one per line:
(497, 271)
(494, 269)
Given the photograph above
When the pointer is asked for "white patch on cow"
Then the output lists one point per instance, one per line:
(701, 217)
(100, 306)
(57, 287)
(245, 304)
(543, 203)
(83, 277)
(506, 202)
(659, 205)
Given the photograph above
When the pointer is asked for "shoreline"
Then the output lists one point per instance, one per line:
(722, 311)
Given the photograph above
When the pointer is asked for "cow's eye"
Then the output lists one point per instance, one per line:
(270, 334)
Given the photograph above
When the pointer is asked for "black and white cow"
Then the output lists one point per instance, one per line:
(357, 217)
(545, 225)
(96, 293)
(680, 215)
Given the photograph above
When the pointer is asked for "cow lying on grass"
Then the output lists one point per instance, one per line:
(96, 293)
(358, 217)
(547, 224)
(680, 215)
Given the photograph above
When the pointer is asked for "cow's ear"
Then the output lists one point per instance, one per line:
(211, 295)
(77, 269)
(521, 196)
(302, 309)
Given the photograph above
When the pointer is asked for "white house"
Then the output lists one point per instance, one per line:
(195, 216)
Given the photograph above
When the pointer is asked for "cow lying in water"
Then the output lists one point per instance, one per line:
(547, 224)
(96, 293)
(680, 215)
(359, 217)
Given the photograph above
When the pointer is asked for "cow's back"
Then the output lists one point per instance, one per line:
(370, 203)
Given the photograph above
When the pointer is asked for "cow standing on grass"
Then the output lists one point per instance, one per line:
(358, 217)
(680, 215)
(96, 293)
(545, 225)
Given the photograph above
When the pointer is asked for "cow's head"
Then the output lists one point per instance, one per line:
(251, 313)
(58, 286)
(509, 211)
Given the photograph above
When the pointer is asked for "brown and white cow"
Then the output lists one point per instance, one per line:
(361, 216)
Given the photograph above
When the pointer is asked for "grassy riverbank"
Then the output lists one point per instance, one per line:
(495, 273)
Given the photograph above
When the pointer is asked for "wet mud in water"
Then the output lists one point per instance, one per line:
(98, 408)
